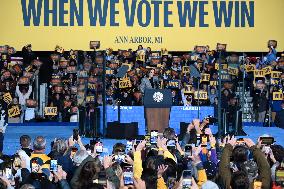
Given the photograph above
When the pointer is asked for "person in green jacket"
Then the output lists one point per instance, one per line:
(233, 178)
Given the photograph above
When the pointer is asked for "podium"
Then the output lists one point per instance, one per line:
(157, 106)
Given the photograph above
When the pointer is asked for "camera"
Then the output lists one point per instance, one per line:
(211, 120)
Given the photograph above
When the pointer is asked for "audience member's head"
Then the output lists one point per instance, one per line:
(169, 133)
(25, 141)
(239, 180)
(90, 172)
(118, 148)
(60, 146)
(39, 144)
(149, 176)
(240, 154)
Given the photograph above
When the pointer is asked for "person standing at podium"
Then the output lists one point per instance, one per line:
(149, 82)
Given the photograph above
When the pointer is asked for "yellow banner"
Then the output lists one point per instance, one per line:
(50, 111)
(90, 99)
(173, 84)
(14, 111)
(205, 77)
(185, 69)
(141, 56)
(188, 89)
(223, 66)
(213, 83)
(7, 98)
(233, 71)
(202, 95)
(274, 81)
(126, 24)
(278, 96)
(258, 73)
(125, 83)
(275, 74)
(250, 68)
(91, 86)
(267, 70)
(109, 72)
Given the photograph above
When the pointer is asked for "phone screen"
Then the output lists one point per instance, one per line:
(120, 157)
(128, 175)
(171, 144)
(8, 172)
(99, 147)
(279, 175)
(267, 140)
(129, 145)
(171, 182)
(186, 179)
(53, 165)
(154, 137)
(188, 150)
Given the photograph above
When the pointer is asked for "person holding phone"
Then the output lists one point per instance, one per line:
(239, 178)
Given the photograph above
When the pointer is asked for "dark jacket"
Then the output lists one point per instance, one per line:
(279, 119)
(260, 101)
(263, 167)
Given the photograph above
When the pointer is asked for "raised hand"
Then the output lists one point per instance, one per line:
(161, 169)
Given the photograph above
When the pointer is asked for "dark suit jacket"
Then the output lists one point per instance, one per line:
(279, 119)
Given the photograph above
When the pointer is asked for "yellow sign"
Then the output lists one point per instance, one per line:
(274, 81)
(267, 70)
(126, 24)
(91, 86)
(109, 72)
(50, 111)
(233, 71)
(258, 73)
(213, 83)
(278, 96)
(188, 89)
(224, 66)
(250, 68)
(7, 98)
(205, 77)
(275, 74)
(185, 69)
(90, 99)
(125, 83)
(14, 111)
(202, 95)
(141, 56)
(173, 84)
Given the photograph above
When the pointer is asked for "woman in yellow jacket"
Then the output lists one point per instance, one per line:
(162, 150)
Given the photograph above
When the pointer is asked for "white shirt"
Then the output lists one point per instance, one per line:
(23, 97)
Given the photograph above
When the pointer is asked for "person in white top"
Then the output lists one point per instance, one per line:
(23, 96)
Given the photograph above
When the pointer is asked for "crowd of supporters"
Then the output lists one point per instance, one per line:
(198, 160)
(74, 79)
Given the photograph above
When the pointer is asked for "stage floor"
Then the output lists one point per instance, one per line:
(13, 133)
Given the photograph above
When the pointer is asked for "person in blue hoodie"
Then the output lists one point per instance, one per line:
(271, 56)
